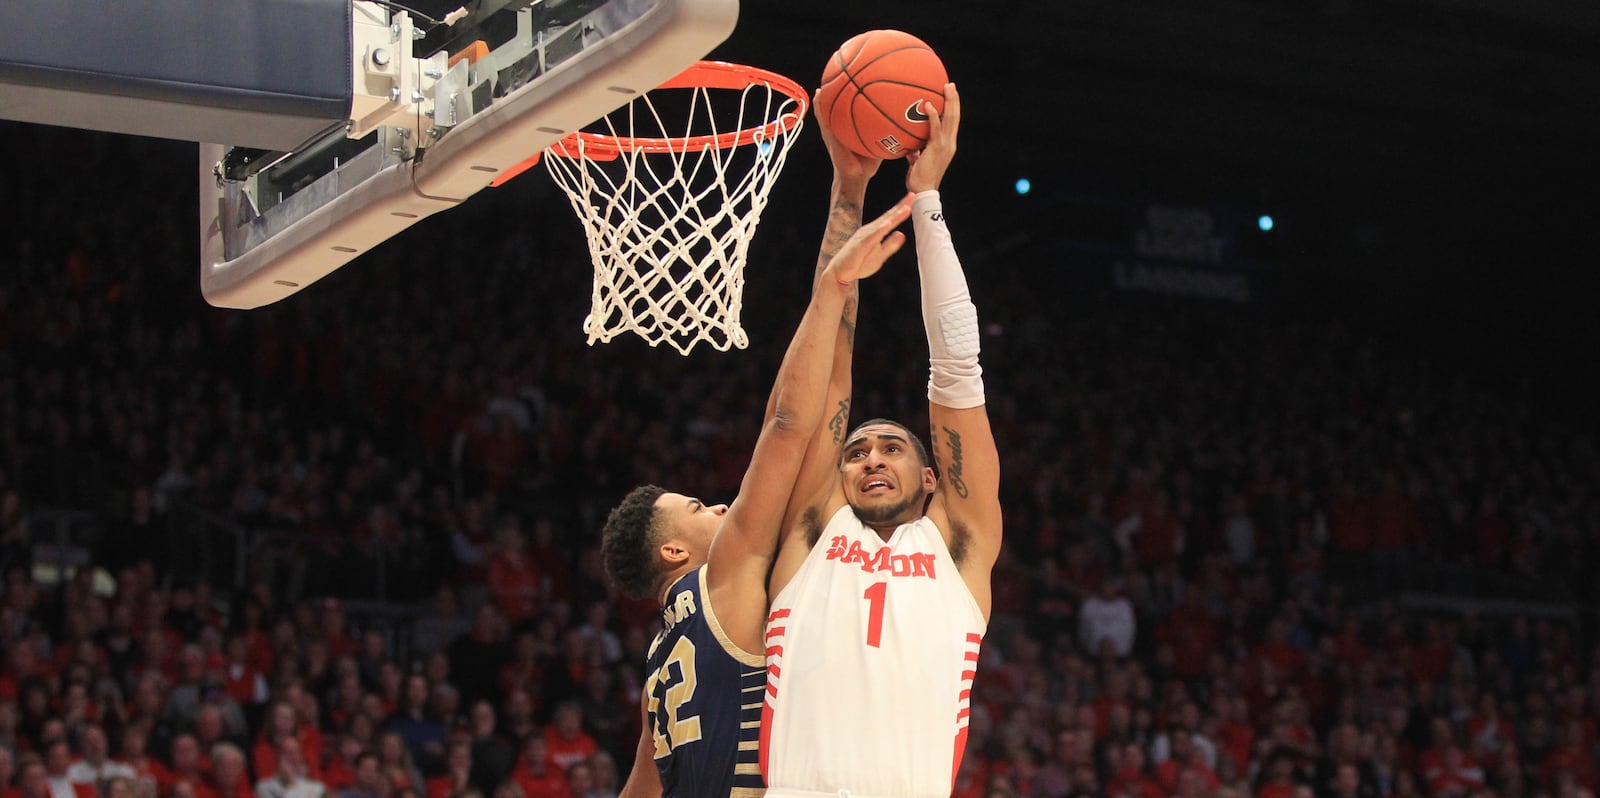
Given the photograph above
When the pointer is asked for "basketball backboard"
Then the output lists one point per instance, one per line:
(439, 109)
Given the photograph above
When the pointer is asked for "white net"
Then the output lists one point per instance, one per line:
(669, 215)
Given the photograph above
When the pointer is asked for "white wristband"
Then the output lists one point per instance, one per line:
(955, 379)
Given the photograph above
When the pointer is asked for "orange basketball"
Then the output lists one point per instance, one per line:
(872, 91)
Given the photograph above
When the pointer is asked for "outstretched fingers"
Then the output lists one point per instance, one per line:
(864, 254)
(949, 122)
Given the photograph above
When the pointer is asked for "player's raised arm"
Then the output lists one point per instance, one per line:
(968, 496)
(851, 174)
(744, 546)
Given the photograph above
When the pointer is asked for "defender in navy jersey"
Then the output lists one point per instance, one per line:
(706, 736)
(707, 564)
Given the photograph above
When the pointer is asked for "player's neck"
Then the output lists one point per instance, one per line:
(884, 530)
(671, 578)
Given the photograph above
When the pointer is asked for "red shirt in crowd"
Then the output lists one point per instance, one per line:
(1159, 538)
(514, 584)
(550, 784)
(564, 751)
(1133, 783)
(1194, 636)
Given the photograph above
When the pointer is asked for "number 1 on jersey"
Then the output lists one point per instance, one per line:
(876, 596)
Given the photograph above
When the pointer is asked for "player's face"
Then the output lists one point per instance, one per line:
(884, 477)
(693, 522)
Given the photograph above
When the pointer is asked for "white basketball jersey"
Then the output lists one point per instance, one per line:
(871, 651)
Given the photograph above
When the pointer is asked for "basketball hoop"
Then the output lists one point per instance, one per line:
(669, 196)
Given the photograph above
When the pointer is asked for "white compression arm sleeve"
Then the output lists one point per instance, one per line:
(955, 379)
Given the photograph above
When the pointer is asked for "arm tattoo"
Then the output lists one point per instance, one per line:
(843, 220)
(836, 424)
(957, 484)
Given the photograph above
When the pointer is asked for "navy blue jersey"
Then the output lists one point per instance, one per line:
(705, 697)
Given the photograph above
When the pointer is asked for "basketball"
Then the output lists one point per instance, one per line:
(872, 90)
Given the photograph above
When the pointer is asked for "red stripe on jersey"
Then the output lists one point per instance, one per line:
(971, 638)
(776, 631)
(773, 671)
(961, 748)
(964, 714)
(972, 656)
(785, 613)
(774, 651)
(964, 695)
(967, 676)
(772, 689)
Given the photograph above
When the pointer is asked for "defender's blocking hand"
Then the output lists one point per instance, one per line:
(871, 245)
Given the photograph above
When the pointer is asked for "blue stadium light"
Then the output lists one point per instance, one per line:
(1264, 222)
(1023, 186)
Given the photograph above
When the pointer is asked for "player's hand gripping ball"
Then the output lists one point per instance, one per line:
(873, 90)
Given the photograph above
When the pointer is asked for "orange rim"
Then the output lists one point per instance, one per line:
(699, 75)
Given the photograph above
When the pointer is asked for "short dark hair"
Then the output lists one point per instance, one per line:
(916, 442)
(628, 541)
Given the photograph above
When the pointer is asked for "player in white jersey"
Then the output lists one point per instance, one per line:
(708, 564)
(881, 585)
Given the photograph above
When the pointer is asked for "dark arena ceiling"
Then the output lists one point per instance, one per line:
(1250, 94)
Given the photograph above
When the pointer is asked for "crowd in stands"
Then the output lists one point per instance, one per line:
(1218, 525)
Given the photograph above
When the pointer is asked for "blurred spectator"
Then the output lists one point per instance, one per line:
(95, 765)
(516, 582)
(369, 779)
(244, 682)
(476, 657)
(457, 776)
(57, 763)
(290, 778)
(422, 735)
(1455, 775)
(1130, 776)
(535, 774)
(566, 741)
(190, 767)
(229, 778)
(1106, 622)
(520, 720)
(443, 623)
(339, 769)
(8, 770)
(607, 781)
(397, 764)
(1278, 777)
(33, 781)
(581, 781)
(210, 729)
(605, 712)
(280, 723)
(596, 630)
(491, 752)
(150, 773)
(1574, 756)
